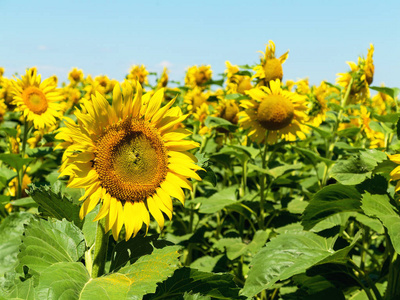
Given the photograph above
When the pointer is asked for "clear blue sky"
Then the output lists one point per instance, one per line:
(107, 37)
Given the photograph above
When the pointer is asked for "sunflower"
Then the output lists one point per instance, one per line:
(163, 80)
(194, 98)
(382, 103)
(270, 67)
(395, 174)
(277, 111)
(362, 74)
(3, 110)
(75, 76)
(318, 104)
(130, 157)
(228, 110)
(1, 71)
(236, 83)
(376, 138)
(138, 73)
(36, 99)
(198, 76)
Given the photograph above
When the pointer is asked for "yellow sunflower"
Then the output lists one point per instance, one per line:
(198, 76)
(163, 81)
(362, 74)
(1, 71)
(228, 110)
(277, 111)
(395, 174)
(270, 67)
(75, 76)
(383, 103)
(318, 104)
(138, 73)
(194, 98)
(36, 99)
(3, 110)
(130, 157)
(236, 83)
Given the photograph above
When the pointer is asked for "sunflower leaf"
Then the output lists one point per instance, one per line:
(217, 286)
(14, 160)
(55, 205)
(49, 242)
(379, 206)
(332, 199)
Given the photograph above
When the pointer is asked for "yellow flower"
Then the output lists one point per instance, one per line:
(6, 90)
(138, 73)
(163, 81)
(270, 67)
(194, 98)
(377, 138)
(75, 76)
(3, 110)
(280, 112)
(362, 75)
(395, 174)
(382, 102)
(228, 110)
(318, 104)
(236, 83)
(198, 76)
(1, 71)
(129, 157)
(36, 99)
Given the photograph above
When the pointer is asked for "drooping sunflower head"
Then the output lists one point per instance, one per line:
(138, 73)
(360, 75)
(277, 111)
(228, 110)
(75, 76)
(163, 81)
(318, 105)
(270, 67)
(36, 99)
(198, 76)
(1, 72)
(129, 156)
(194, 98)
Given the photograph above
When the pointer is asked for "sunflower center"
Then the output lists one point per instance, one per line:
(230, 112)
(273, 70)
(131, 160)
(35, 100)
(275, 112)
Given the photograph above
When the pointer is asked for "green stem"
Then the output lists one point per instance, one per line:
(243, 182)
(393, 286)
(100, 249)
(371, 284)
(262, 184)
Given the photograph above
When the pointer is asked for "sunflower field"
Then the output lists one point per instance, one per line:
(242, 185)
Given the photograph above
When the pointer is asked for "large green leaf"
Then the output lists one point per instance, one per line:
(289, 254)
(379, 206)
(24, 290)
(356, 169)
(11, 229)
(392, 92)
(217, 286)
(63, 280)
(331, 200)
(217, 201)
(55, 205)
(48, 242)
(14, 160)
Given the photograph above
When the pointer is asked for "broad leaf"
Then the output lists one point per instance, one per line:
(217, 201)
(379, 206)
(217, 286)
(48, 242)
(55, 205)
(14, 160)
(331, 200)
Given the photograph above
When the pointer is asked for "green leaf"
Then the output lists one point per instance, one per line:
(217, 201)
(356, 169)
(9, 131)
(63, 280)
(349, 132)
(11, 229)
(389, 118)
(48, 242)
(208, 175)
(286, 255)
(379, 206)
(331, 200)
(236, 97)
(55, 205)
(206, 263)
(392, 92)
(24, 290)
(217, 286)
(149, 270)
(312, 156)
(279, 171)
(215, 122)
(39, 152)
(14, 160)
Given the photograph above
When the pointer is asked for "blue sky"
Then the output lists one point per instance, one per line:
(107, 37)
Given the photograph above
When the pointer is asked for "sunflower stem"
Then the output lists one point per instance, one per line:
(100, 249)
(262, 183)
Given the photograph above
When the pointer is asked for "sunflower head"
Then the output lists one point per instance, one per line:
(270, 67)
(1, 71)
(163, 81)
(277, 111)
(236, 83)
(3, 110)
(138, 73)
(228, 110)
(75, 76)
(198, 76)
(38, 100)
(129, 156)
